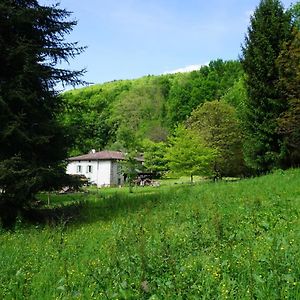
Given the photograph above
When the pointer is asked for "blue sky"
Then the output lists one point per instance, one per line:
(132, 38)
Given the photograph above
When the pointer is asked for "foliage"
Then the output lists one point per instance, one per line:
(269, 28)
(236, 97)
(150, 106)
(140, 109)
(33, 143)
(94, 133)
(209, 83)
(217, 125)
(188, 155)
(236, 240)
(87, 115)
(295, 13)
(289, 67)
(130, 167)
(289, 128)
(154, 155)
(289, 81)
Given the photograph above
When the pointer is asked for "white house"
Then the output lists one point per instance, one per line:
(101, 168)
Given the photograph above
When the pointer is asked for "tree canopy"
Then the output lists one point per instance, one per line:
(217, 124)
(269, 29)
(151, 106)
(154, 155)
(289, 81)
(188, 154)
(33, 143)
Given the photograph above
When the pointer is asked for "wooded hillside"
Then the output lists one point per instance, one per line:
(150, 107)
(246, 111)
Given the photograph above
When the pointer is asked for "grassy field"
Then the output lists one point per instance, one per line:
(226, 240)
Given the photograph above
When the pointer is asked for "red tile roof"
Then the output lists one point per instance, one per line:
(102, 155)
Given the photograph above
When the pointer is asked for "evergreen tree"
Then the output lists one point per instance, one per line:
(295, 14)
(269, 28)
(289, 80)
(32, 142)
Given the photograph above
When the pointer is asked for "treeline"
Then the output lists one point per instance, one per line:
(230, 118)
(146, 108)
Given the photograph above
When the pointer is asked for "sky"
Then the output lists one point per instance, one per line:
(128, 39)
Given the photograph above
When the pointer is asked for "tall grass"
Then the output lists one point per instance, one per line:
(237, 240)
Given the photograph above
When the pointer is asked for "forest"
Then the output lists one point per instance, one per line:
(229, 118)
(148, 108)
(236, 238)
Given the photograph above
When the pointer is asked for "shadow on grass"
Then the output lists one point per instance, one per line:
(63, 214)
(95, 207)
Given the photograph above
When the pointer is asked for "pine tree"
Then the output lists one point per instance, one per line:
(269, 28)
(289, 80)
(32, 142)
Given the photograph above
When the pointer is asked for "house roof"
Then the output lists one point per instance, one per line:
(103, 155)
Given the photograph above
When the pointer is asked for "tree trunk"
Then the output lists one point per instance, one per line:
(130, 187)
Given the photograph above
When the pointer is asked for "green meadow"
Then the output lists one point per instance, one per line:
(224, 240)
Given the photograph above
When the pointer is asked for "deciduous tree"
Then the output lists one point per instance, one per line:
(217, 124)
(188, 155)
(154, 154)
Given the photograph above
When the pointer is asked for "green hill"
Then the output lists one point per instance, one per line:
(228, 240)
(148, 107)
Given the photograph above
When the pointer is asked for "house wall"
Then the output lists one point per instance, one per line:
(72, 168)
(116, 178)
(103, 172)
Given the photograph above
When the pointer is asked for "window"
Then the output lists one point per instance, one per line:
(89, 169)
(79, 169)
